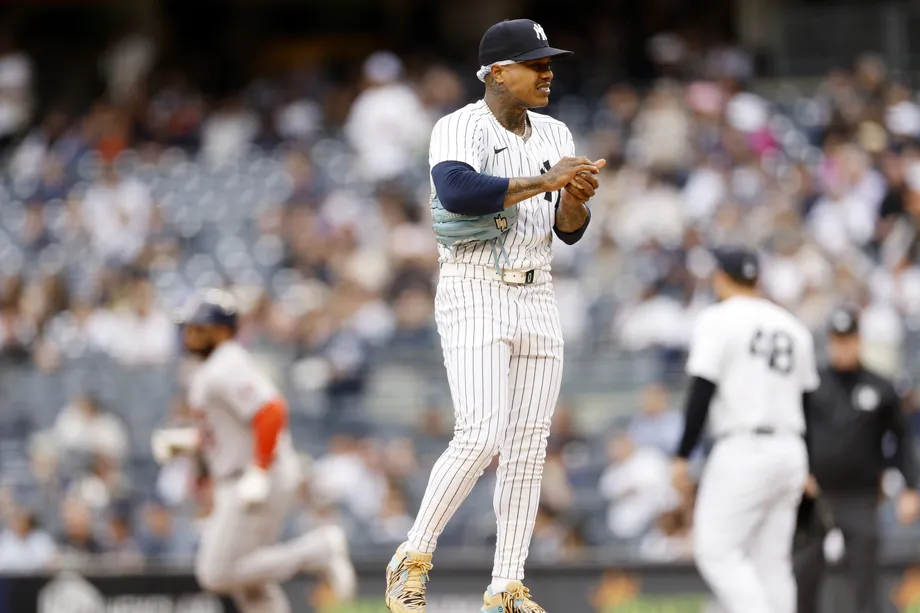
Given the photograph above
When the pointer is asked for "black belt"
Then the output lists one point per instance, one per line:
(762, 431)
(232, 476)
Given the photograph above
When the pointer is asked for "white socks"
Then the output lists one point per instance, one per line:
(500, 584)
(410, 546)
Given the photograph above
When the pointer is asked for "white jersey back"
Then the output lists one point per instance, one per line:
(225, 394)
(761, 358)
(472, 135)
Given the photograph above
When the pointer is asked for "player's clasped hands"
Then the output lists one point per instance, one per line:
(583, 185)
(567, 169)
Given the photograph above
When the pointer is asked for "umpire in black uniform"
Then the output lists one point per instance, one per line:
(847, 418)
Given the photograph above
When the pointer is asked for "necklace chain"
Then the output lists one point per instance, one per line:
(527, 128)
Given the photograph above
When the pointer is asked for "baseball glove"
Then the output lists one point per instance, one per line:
(452, 228)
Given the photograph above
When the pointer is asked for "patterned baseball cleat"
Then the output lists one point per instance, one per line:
(516, 599)
(407, 574)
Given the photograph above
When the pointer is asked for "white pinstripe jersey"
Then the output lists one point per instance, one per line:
(761, 359)
(473, 135)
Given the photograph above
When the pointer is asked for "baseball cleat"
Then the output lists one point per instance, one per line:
(407, 574)
(516, 599)
(339, 571)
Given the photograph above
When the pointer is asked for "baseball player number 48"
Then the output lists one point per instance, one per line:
(776, 348)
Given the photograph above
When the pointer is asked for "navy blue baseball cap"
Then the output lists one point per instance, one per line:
(740, 265)
(213, 307)
(517, 40)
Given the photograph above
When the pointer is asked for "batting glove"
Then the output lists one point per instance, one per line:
(170, 442)
(253, 486)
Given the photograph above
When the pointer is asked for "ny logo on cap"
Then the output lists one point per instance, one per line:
(541, 35)
(749, 269)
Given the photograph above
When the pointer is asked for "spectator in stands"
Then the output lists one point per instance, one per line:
(227, 133)
(393, 521)
(553, 539)
(103, 482)
(15, 89)
(46, 482)
(344, 476)
(574, 447)
(141, 332)
(340, 355)
(412, 307)
(83, 427)
(52, 141)
(78, 545)
(175, 113)
(441, 91)
(617, 113)
(399, 458)
(657, 425)
(662, 131)
(637, 484)
(126, 65)
(116, 215)
(432, 433)
(670, 539)
(556, 493)
(72, 333)
(18, 331)
(24, 546)
(846, 216)
(166, 537)
(35, 236)
(409, 248)
(120, 547)
(387, 125)
(656, 321)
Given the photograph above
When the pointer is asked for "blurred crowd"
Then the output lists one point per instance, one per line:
(309, 200)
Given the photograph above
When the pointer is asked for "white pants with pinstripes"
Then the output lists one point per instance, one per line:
(503, 352)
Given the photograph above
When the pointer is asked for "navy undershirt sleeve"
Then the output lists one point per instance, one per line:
(701, 393)
(570, 238)
(808, 408)
(464, 191)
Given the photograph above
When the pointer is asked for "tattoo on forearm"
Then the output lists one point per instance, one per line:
(522, 188)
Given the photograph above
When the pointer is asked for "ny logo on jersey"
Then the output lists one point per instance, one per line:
(501, 222)
(541, 35)
(546, 166)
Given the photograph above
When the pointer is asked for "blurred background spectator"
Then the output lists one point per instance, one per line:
(82, 427)
(24, 546)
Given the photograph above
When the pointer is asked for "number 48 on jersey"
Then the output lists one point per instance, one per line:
(776, 347)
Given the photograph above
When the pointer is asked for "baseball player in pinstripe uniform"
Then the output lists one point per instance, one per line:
(751, 364)
(242, 435)
(504, 180)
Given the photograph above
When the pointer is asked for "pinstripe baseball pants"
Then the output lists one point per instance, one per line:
(503, 353)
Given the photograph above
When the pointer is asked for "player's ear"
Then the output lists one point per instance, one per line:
(496, 72)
